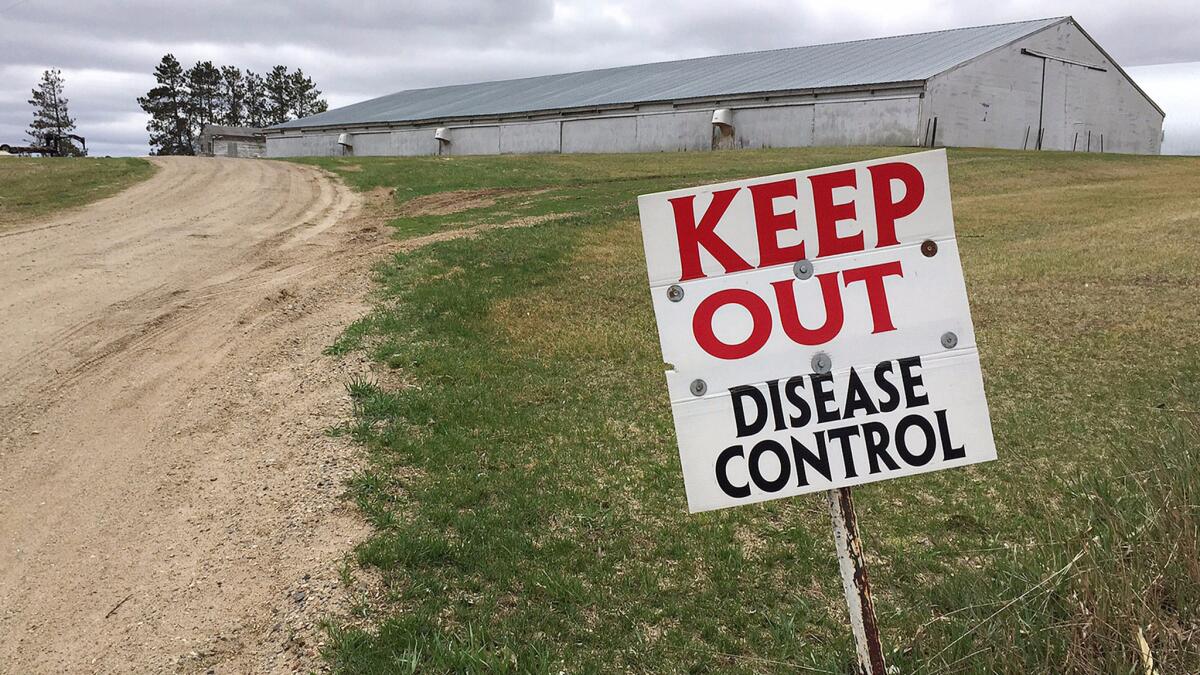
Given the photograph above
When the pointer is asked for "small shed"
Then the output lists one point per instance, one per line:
(222, 141)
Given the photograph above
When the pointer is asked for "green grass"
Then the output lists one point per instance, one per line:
(523, 480)
(32, 188)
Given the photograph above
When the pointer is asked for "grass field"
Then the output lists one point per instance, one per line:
(35, 187)
(524, 486)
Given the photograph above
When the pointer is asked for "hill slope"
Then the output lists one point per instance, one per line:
(524, 483)
(34, 187)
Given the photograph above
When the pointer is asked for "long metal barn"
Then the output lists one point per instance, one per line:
(1042, 84)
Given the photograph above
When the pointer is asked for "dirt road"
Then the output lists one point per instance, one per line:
(168, 497)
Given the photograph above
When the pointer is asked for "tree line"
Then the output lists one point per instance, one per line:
(182, 101)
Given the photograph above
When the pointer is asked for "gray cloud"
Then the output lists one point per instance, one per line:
(1176, 88)
(107, 49)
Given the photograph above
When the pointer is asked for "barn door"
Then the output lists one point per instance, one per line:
(1057, 130)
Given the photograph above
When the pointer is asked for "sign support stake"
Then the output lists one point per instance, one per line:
(853, 567)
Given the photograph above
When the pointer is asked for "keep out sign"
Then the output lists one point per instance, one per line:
(817, 330)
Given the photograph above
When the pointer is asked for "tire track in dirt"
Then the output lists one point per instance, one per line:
(169, 500)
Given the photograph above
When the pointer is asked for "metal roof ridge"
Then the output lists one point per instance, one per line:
(730, 54)
(388, 107)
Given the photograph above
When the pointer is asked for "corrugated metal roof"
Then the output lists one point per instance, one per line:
(222, 130)
(902, 58)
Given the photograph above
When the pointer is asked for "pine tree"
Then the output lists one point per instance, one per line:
(233, 96)
(204, 94)
(279, 95)
(306, 98)
(51, 120)
(169, 107)
(183, 102)
(256, 100)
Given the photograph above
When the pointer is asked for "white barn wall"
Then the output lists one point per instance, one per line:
(676, 131)
(374, 144)
(782, 127)
(602, 134)
(885, 121)
(303, 145)
(530, 138)
(990, 101)
(474, 141)
(415, 142)
(862, 120)
(403, 143)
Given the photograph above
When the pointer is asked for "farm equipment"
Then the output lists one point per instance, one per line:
(56, 146)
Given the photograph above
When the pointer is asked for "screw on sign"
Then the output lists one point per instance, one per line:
(818, 327)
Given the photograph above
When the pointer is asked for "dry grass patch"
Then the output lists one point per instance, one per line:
(456, 201)
(33, 188)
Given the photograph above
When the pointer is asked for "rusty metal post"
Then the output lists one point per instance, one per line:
(857, 587)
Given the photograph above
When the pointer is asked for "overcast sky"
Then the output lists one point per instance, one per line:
(107, 50)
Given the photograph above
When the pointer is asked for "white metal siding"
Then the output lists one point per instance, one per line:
(783, 127)
(855, 118)
(531, 138)
(475, 141)
(675, 131)
(992, 101)
(879, 122)
(604, 134)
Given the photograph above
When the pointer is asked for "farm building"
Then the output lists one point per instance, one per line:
(221, 141)
(1043, 84)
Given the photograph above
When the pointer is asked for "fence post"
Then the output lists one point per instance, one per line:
(855, 584)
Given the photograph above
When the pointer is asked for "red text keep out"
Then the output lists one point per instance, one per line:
(694, 233)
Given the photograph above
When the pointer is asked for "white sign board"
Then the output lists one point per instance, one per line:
(817, 328)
